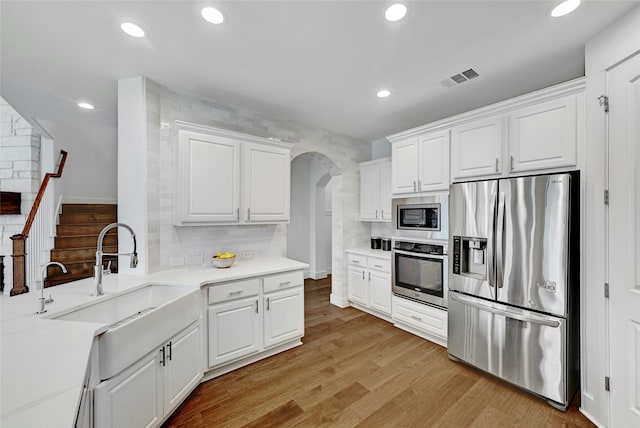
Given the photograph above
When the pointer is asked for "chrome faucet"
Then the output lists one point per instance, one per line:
(43, 275)
(98, 269)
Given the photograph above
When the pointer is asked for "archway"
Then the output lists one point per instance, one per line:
(311, 173)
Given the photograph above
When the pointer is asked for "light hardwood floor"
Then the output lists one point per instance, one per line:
(357, 370)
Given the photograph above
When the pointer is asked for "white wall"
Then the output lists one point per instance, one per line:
(90, 174)
(298, 230)
(380, 149)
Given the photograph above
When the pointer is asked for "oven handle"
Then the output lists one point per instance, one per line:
(420, 255)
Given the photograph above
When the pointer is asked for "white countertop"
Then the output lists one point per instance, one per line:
(371, 253)
(43, 361)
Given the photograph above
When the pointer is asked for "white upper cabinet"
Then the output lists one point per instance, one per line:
(404, 165)
(420, 163)
(476, 148)
(267, 183)
(208, 178)
(375, 190)
(433, 161)
(543, 136)
(223, 177)
(537, 132)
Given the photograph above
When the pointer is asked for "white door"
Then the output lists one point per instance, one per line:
(235, 330)
(132, 398)
(358, 285)
(476, 148)
(385, 191)
(267, 183)
(543, 136)
(369, 192)
(182, 371)
(283, 316)
(209, 178)
(380, 291)
(404, 166)
(433, 161)
(624, 242)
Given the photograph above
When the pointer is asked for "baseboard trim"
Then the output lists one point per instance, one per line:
(339, 301)
(591, 418)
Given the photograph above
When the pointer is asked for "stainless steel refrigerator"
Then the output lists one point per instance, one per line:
(514, 281)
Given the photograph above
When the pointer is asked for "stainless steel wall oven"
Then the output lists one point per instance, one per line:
(420, 271)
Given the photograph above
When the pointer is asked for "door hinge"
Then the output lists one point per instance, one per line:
(606, 290)
(607, 384)
(606, 197)
(604, 101)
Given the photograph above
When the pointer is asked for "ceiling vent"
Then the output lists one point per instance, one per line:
(459, 78)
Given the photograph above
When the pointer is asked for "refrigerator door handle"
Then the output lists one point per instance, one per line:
(491, 280)
(506, 313)
(500, 241)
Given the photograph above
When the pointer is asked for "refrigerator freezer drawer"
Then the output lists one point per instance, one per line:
(522, 347)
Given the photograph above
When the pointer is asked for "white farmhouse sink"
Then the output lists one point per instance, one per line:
(139, 322)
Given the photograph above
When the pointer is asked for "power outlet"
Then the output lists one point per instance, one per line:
(191, 259)
(246, 255)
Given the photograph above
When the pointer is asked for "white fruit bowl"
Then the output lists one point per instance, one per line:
(223, 263)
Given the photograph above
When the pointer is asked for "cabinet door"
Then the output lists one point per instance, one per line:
(267, 183)
(369, 192)
(235, 330)
(358, 285)
(404, 166)
(380, 291)
(543, 136)
(385, 191)
(283, 316)
(183, 368)
(476, 148)
(209, 179)
(132, 398)
(433, 166)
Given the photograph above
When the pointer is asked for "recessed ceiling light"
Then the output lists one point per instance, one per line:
(565, 8)
(86, 106)
(212, 15)
(132, 29)
(395, 12)
(383, 93)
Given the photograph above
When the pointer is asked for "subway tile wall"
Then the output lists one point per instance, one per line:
(168, 244)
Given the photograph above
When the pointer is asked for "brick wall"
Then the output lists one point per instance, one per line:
(19, 172)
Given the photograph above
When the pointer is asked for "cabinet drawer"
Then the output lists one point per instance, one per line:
(283, 280)
(357, 260)
(234, 290)
(379, 264)
(421, 317)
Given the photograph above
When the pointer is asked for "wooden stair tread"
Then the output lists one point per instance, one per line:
(87, 218)
(79, 229)
(89, 208)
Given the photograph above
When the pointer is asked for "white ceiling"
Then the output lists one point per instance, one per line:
(315, 62)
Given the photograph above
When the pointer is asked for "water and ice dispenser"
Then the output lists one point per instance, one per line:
(470, 257)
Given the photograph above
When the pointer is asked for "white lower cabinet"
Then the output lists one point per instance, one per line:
(146, 392)
(423, 320)
(234, 330)
(254, 315)
(283, 316)
(369, 282)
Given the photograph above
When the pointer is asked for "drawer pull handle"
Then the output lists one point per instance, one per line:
(378, 266)
(284, 284)
(416, 318)
(162, 360)
(256, 306)
(355, 261)
(268, 303)
(169, 346)
(236, 293)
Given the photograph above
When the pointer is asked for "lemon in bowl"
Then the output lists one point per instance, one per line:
(224, 260)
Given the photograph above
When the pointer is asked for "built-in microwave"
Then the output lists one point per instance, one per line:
(422, 217)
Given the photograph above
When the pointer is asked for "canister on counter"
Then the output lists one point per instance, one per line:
(386, 244)
(376, 242)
